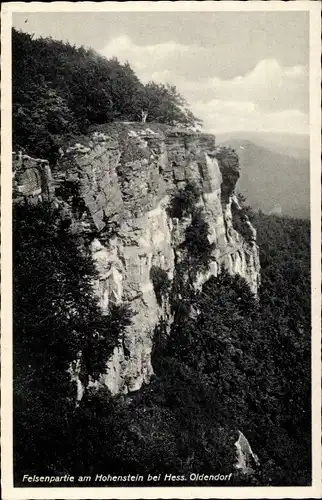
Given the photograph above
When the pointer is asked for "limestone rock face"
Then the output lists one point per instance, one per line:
(247, 461)
(124, 176)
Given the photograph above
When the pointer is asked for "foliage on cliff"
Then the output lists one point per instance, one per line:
(228, 362)
(60, 90)
(196, 244)
(161, 283)
(183, 203)
(56, 320)
(255, 355)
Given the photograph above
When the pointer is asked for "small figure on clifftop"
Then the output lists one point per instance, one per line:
(20, 159)
(144, 115)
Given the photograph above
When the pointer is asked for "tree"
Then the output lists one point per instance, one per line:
(183, 203)
(161, 283)
(196, 243)
(40, 127)
(59, 90)
(56, 320)
(164, 104)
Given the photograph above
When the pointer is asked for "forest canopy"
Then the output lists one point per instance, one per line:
(227, 361)
(242, 363)
(60, 89)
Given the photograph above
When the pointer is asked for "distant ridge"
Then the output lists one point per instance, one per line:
(270, 179)
(295, 145)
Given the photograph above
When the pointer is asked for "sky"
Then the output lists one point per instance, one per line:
(239, 71)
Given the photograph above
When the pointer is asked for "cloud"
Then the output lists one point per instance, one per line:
(225, 116)
(145, 59)
(268, 97)
(269, 85)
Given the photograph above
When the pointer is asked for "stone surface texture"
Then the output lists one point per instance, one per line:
(125, 174)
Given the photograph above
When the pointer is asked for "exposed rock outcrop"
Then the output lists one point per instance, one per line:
(31, 178)
(120, 180)
(247, 461)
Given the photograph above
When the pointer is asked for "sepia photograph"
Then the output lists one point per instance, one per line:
(159, 188)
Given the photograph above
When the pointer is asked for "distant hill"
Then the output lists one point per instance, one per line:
(270, 179)
(296, 145)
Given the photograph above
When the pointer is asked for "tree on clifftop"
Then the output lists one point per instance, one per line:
(60, 90)
(164, 104)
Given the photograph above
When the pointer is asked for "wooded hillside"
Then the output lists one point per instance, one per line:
(60, 89)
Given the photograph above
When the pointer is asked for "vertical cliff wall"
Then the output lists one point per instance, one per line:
(120, 180)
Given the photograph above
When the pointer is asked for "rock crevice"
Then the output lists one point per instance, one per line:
(125, 176)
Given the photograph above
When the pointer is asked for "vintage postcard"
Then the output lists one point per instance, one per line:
(161, 327)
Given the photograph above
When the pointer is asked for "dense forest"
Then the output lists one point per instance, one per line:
(241, 364)
(60, 90)
(228, 361)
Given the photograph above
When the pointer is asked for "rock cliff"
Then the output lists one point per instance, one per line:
(118, 182)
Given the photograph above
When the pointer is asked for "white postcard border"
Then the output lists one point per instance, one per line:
(11, 493)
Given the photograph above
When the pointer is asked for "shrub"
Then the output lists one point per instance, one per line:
(197, 244)
(161, 283)
(240, 223)
(184, 202)
(247, 209)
